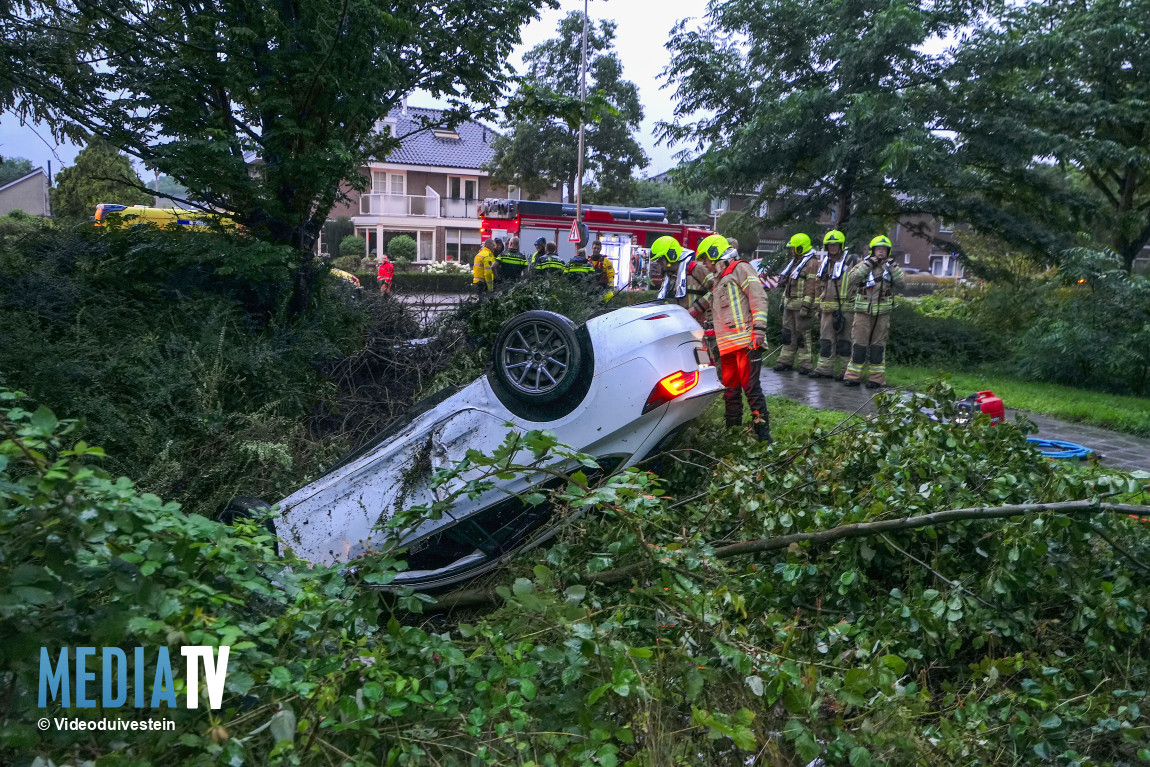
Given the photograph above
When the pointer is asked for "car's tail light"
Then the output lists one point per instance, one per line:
(674, 385)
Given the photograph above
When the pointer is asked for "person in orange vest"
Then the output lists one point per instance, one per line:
(385, 274)
(739, 309)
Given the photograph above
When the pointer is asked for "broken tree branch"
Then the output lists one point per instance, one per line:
(475, 597)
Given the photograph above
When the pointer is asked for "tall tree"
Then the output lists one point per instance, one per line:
(539, 152)
(803, 100)
(12, 168)
(1049, 104)
(201, 91)
(100, 174)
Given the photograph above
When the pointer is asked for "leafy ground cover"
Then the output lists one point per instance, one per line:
(753, 605)
(1127, 414)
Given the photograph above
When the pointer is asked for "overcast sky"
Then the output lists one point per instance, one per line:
(639, 42)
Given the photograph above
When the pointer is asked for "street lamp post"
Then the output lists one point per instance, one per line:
(583, 99)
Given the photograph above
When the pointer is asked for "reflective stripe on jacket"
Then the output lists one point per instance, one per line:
(739, 305)
(483, 268)
(834, 286)
(875, 286)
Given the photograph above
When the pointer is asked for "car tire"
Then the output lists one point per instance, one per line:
(537, 357)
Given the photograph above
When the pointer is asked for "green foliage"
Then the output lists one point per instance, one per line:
(429, 282)
(919, 338)
(539, 152)
(809, 95)
(402, 249)
(352, 245)
(174, 349)
(349, 263)
(1098, 331)
(285, 102)
(101, 174)
(742, 227)
(1067, 82)
(12, 168)
(1130, 415)
(977, 641)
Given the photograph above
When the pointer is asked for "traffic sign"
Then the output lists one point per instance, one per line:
(573, 236)
(579, 234)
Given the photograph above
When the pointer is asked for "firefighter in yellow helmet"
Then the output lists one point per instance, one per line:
(678, 261)
(835, 301)
(875, 279)
(483, 269)
(798, 285)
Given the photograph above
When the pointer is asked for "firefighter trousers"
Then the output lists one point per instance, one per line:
(869, 335)
(834, 343)
(741, 369)
(796, 340)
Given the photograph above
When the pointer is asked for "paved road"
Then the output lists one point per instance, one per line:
(1118, 450)
(428, 306)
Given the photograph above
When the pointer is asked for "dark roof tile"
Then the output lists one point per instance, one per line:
(471, 150)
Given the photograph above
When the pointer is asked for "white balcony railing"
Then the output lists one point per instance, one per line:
(398, 205)
(424, 205)
(460, 208)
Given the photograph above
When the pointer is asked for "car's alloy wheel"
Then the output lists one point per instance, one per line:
(537, 356)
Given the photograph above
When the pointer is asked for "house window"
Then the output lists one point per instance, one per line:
(514, 193)
(906, 260)
(834, 213)
(383, 182)
(462, 188)
(720, 204)
(445, 133)
(386, 125)
(944, 227)
(764, 209)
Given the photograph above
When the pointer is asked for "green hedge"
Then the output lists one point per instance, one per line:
(422, 282)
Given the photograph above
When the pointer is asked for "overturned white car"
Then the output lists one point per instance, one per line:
(615, 388)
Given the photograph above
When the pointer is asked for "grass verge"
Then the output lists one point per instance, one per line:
(1129, 415)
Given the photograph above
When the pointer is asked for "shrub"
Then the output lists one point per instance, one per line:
(402, 249)
(352, 245)
(349, 263)
(918, 338)
(634, 636)
(1095, 330)
(176, 350)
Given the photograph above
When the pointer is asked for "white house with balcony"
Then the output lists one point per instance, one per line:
(429, 188)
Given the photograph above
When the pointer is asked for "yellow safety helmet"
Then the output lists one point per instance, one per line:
(834, 237)
(714, 246)
(666, 247)
(800, 242)
(882, 241)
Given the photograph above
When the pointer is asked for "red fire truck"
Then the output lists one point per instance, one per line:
(626, 233)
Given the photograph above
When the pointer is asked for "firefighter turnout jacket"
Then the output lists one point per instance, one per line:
(875, 284)
(833, 286)
(798, 282)
(739, 306)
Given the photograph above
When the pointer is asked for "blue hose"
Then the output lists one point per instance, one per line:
(1056, 448)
